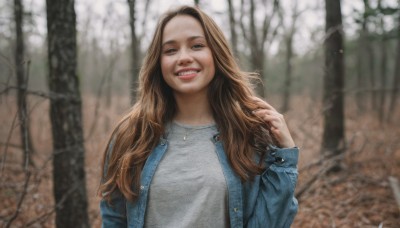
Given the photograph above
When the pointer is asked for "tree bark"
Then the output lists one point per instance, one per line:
(370, 53)
(371, 65)
(232, 27)
(256, 39)
(383, 74)
(288, 75)
(333, 99)
(396, 76)
(22, 82)
(135, 51)
(361, 53)
(66, 116)
(257, 54)
(289, 59)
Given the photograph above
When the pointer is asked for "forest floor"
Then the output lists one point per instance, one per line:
(359, 195)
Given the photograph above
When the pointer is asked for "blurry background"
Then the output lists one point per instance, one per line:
(347, 182)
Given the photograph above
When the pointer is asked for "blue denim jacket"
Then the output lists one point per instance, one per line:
(267, 201)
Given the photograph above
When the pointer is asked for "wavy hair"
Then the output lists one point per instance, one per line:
(244, 136)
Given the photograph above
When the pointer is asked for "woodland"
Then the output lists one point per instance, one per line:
(68, 73)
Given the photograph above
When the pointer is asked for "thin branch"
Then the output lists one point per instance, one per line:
(21, 199)
(50, 95)
(10, 145)
(58, 205)
(10, 65)
(311, 181)
(244, 32)
(144, 21)
(25, 134)
(267, 23)
(253, 31)
(7, 142)
(375, 89)
(99, 92)
(331, 31)
(327, 163)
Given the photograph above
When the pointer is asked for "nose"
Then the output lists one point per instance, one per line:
(184, 57)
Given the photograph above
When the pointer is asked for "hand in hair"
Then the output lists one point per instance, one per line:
(276, 121)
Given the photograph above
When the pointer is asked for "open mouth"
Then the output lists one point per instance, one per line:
(186, 73)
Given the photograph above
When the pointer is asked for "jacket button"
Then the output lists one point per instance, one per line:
(141, 187)
(235, 209)
(279, 160)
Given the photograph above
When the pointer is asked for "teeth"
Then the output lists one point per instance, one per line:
(186, 72)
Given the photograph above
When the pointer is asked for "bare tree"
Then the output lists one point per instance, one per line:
(365, 65)
(135, 51)
(370, 54)
(288, 39)
(257, 38)
(362, 43)
(396, 76)
(66, 116)
(232, 26)
(22, 82)
(383, 68)
(333, 99)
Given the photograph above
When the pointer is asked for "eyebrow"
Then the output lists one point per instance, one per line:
(173, 41)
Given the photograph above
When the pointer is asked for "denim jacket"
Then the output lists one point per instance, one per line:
(266, 201)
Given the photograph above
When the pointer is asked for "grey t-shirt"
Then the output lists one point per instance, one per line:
(188, 188)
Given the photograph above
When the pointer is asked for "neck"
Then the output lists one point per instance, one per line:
(193, 109)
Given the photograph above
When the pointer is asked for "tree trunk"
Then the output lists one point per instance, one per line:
(289, 58)
(257, 55)
(66, 116)
(232, 25)
(371, 65)
(383, 74)
(370, 55)
(135, 52)
(257, 61)
(288, 75)
(107, 121)
(256, 38)
(22, 83)
(362, 43)
(333, 100)
(396, 76)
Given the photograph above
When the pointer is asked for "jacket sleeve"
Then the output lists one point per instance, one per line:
(275, 204)
(113, 213)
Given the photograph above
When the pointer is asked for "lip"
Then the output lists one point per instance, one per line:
(187, 73)
(186, 69)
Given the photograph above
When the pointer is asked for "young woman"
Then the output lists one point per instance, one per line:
(198, 149)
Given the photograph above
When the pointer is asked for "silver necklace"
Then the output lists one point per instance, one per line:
(188, 131)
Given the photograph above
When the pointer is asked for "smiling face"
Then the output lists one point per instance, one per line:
(187, 63)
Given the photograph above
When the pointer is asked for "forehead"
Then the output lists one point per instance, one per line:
(180, 27)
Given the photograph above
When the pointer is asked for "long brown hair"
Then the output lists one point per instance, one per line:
(243, 134)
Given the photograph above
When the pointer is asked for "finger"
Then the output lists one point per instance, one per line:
(273, 118)
(274, 121)
(263, 104)
(261, 112)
